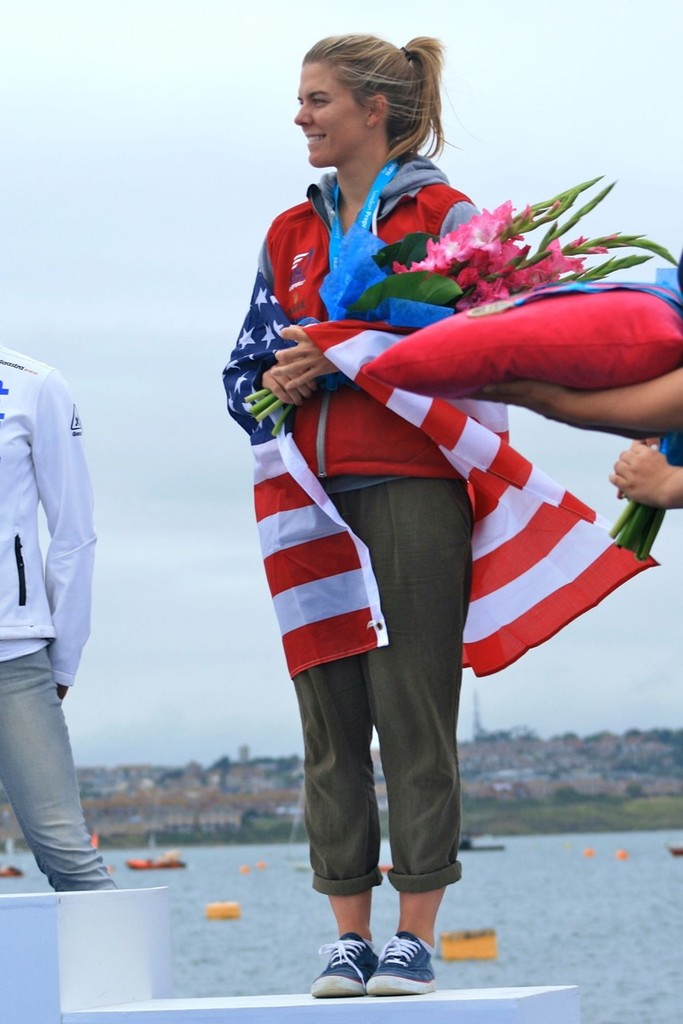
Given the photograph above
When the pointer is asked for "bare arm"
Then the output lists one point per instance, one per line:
(638, 410)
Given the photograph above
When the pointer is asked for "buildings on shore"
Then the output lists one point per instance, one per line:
(136, 801)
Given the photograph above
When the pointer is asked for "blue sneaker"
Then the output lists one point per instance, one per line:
(405, 968)
(352, 961)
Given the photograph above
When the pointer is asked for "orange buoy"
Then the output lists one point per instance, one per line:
(261, 865)
(589, 852)
(245, 869)
(621, 854)
(224, 911)
(469, 945)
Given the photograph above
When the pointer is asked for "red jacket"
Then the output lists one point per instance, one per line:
(359, 436)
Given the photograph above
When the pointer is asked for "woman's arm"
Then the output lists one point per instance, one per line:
(637, 410)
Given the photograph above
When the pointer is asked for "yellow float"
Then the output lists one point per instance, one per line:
(469, 945)
(225, 911)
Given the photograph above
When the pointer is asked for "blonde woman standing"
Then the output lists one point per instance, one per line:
(369, 110)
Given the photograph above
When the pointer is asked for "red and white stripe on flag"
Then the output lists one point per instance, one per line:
(540, 556)
(324, 591)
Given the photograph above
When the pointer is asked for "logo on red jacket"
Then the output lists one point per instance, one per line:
(300, 267)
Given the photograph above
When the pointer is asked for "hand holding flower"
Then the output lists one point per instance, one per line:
(644, 475)
(651, 481)
(304, 362)
(292, 380)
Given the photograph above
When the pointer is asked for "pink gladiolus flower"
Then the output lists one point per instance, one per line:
(481, 234)
(581, 241)
(489, 258)
(484, 292)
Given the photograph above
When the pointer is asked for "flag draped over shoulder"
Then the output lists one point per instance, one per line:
(540, 556)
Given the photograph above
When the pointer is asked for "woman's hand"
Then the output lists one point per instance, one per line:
(293, 378)
(643, 474)
(305, 362)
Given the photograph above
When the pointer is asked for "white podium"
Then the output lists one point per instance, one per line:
(105, 958)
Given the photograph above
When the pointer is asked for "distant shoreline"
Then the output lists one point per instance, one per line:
(567, 814)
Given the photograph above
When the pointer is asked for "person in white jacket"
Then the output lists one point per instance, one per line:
(44, 614)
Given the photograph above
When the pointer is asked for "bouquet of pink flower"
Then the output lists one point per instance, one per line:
(488, 259)
(423, 279)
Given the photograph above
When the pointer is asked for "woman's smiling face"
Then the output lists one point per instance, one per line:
(336, 126)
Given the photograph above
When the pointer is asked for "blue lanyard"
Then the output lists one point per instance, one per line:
(365, 215)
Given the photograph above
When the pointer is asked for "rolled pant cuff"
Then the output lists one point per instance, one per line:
(426, 883)
(347, 886)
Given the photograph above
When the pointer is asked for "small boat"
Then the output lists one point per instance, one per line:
(9, 871)
(165, 860)
(471, 843)
(675, 851)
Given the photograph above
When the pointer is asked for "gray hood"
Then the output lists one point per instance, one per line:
(410, 178)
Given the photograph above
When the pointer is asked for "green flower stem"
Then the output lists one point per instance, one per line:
(576, 217)
(646, 546)
(552, 209)
(623, 519)
(636, 528)
(286, 409)
(568, 195)
(254, 397)
(264, 403)
(268, 409)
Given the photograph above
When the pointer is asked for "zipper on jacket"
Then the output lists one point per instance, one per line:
(316, 200)
(21, 570)
(320, 434)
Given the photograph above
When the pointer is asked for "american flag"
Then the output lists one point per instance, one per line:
(541, 557)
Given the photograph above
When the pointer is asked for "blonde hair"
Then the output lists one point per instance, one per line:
(409, 78)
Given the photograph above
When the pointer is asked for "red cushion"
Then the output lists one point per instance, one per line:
(583, 340)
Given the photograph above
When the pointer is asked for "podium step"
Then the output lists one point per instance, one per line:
(475, 1006)
(105, 958)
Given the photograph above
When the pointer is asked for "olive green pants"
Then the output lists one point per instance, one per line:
(419, 536)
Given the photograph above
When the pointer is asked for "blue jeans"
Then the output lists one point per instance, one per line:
(38, 774)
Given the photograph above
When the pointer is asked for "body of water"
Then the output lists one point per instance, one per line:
(609, 923)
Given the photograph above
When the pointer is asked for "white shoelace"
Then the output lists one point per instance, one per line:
(343, 951)
(400, 951)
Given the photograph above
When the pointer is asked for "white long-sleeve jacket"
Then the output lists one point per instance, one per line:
(42, 462)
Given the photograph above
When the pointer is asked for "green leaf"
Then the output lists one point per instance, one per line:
(419, 285)
(611, 265)
(645, 243)
(411, 249)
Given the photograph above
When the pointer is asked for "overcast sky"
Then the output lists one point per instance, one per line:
(146, 146)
